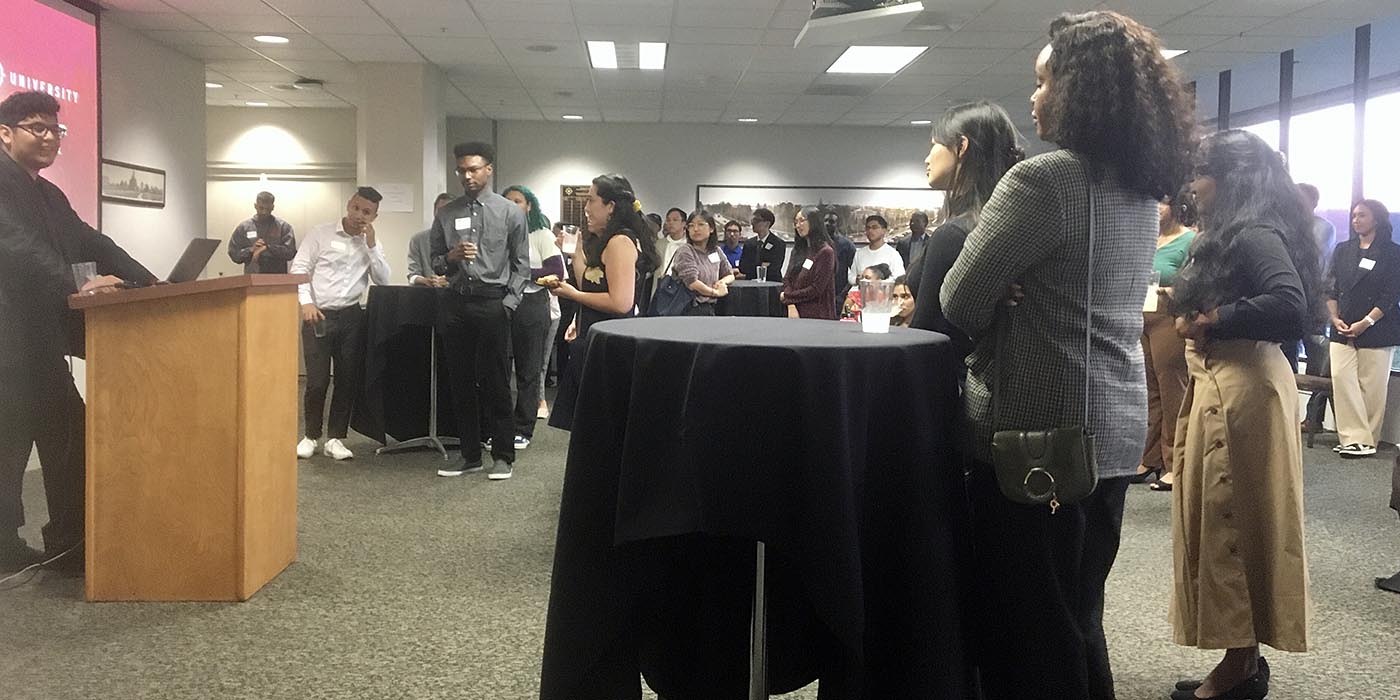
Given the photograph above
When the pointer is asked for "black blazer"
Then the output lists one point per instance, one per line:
(40, 237)
(926, 273)
(1357, 290)
(755, 253)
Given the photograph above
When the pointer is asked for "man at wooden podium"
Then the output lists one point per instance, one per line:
(40, 237)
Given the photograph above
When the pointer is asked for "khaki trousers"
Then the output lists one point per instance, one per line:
(1360, 378)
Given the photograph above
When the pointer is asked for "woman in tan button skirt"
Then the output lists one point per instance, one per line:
(1251, 283)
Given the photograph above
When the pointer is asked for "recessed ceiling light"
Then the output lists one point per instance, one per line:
(651, 55)
(271, 39)
(1172, 53)
(921, 122)
(748, 120)
(573, 117)
(213, 86)
(256, 104)
(876, 59)
(602, 54)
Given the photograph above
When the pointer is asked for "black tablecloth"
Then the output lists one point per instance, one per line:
(674, 471)
(394, 398)
(752, 298)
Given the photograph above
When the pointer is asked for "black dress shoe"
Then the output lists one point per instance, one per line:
(1144, 477)
(15, 555)
(1186, 690)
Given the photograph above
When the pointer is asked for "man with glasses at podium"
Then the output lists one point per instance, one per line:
(40, 238)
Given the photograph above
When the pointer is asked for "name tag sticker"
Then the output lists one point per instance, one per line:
(714, 257)
(252, 235)
(464, 223)
(1368, 264)
(338, 245)
(768, 246)
(807, 264)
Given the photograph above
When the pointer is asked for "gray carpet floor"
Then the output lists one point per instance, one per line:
(412, 586)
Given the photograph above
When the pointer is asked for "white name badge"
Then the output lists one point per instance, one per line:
(1368, 264)
(768, 246)
(714, 257)
(807, 264)
(252, 235)
(464, 223)
(338, 245)
(1150, 304)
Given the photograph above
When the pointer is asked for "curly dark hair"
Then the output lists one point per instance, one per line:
(22, 105)
(1252, 189)
(1114, 98)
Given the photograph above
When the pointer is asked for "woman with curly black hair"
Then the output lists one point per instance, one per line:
(1059, 259)
(1237, 513)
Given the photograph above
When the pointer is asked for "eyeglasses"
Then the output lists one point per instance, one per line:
(473, 170)
(40, 129)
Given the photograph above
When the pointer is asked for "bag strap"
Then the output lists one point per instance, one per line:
(1088, 317)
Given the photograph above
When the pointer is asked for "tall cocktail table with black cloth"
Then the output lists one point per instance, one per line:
(752, 298)
(679, 461)
(395, 400)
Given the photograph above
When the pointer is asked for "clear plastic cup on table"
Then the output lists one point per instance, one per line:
(83, 272)
(876, 305)
(761, 273)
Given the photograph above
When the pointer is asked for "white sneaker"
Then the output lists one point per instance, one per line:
(1355, 450)
(336, 451)
(306, 448)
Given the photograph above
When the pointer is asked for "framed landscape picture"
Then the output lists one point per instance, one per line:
(851, 205)
(133, 184)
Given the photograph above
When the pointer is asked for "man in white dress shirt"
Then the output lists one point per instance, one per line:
(878, 251)
(342, 259)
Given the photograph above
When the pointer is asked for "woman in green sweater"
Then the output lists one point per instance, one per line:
(1163, 351)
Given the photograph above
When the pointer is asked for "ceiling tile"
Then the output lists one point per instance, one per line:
(219, 53)
(249, 24)
(424, 9)
(551, 11)
(632, 115)
(173, 21)
(452, 51)
(990, 40)
(709, 36)
(1205, 24)
(694, 15)
(136, 6)
(465, 26)
(170, 38)
(319, 25)
(372, 48)
(531, 32)
(569, 55)
(322, 8)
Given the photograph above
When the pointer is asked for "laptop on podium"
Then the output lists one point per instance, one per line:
(193, 260)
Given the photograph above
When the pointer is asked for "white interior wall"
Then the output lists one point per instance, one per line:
(307, 157)
(665, 162)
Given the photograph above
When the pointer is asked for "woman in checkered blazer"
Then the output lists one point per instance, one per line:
(1020, 289)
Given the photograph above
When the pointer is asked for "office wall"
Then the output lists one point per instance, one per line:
(306, 157)
(153, 115)
(666, 161)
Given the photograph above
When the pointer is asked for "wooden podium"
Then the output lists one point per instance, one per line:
(191, 425)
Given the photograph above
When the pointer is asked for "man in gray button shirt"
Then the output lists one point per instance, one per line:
(263, 243)
(480, 243)
(420, 252)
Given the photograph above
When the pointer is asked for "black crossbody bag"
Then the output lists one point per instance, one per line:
(1055, 466)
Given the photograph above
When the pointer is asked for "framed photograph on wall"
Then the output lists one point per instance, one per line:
(572, 200)
(133, 184)
(851, 205)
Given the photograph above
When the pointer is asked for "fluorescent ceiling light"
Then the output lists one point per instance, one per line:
(651, 55)
(1172, 53)
(573, 117)
(921, 122)
(212, 86)
(876, 59)
(256, 104)
(748, 120)
(602, 54)
(271, 39)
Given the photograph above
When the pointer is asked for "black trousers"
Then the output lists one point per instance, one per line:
(699, 310)
(342, 341)
(40, 406)
(1319, 365)
(475, 331)
(1037, 623)
(529, 329)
